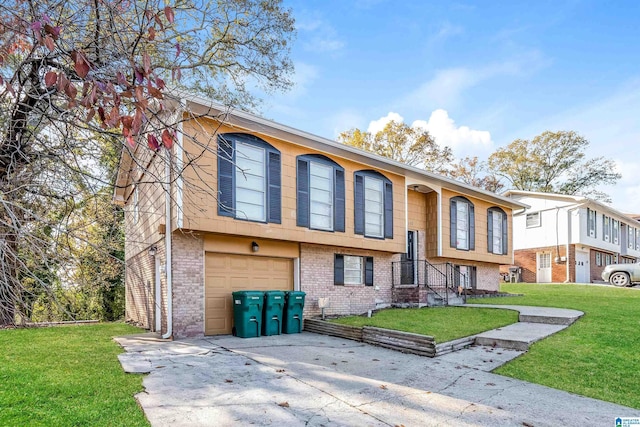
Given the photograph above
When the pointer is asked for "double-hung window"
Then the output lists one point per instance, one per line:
(320, 193)
(631, 235)
(353, 270)
(606, 228)
(321, 188)
(462, 219)
(637, 239)
(591, 223)
(533, 220)
(497, 239)
(373, 210)
(250, 175)
(615, 230)
(249, 182)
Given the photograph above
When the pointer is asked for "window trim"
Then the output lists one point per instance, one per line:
(359, 216)
(366, 274)
(453, 223)
(303, 192)
(504, 250)
(226, 173)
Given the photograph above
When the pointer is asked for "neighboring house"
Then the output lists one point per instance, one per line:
(260, 205)
(562, 238)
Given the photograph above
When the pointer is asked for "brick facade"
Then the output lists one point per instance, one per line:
(188, 285)
(528, 261)
(317, 280)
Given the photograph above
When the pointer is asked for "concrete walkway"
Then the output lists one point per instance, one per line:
(535, 323)
(310, 379)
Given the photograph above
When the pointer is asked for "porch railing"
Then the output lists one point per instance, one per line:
(442, 279)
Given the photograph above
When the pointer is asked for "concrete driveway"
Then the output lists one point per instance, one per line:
(316, 380)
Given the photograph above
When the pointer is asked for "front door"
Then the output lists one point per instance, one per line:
(407, 269)
(544, 268)
(582, 267)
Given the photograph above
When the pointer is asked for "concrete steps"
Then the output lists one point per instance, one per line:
(535, 323)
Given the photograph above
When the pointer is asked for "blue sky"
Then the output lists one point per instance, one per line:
(477, 74)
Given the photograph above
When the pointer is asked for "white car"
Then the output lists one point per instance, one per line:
(622, 274)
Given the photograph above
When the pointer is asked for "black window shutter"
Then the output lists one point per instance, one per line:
(368, 271)
(338, 270)
(358, 214)
(388, 210)
(225, 177)
(453, 214)
(472, 228)
(302, 197)
(274, 192)
(505, 235)
(339, 204)
(490, 231)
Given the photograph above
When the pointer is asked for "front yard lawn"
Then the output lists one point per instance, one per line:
(67, 376)
(598, 356)
(442, 323)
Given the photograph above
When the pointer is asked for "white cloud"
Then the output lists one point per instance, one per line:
(446, 31)
(446, 87)
(317, 35)
(376, 126)
(463, 140)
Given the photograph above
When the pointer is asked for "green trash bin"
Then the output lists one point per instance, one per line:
(247, 313)
(272, 312)
(293, 312)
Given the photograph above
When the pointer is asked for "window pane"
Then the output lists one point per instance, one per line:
(497, 232)
(462, 225)
(353, 271)
(533, 220)
(321, 196)
(249, 211)
(373, 207)
(250, 182)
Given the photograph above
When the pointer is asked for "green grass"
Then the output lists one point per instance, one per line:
(598, 356)
(443, 323)
(67, 376)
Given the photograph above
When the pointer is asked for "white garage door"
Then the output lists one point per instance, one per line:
(226, 273)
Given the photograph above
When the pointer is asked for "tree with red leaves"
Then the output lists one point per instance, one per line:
(79, 77)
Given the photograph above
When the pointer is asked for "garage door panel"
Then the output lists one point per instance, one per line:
(226, 273)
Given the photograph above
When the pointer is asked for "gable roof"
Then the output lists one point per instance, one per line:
(258, 125)
(576, 200)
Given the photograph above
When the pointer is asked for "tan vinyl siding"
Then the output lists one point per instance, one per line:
(480, 253)
(200, 204)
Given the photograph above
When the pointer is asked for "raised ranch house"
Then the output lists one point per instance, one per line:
(561, 238)
(258, 205)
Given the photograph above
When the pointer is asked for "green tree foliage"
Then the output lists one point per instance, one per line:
(77, 78)
(473, 171)
(554, 162)
(402, 143)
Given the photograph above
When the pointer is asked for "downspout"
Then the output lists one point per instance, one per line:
(167, 241)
